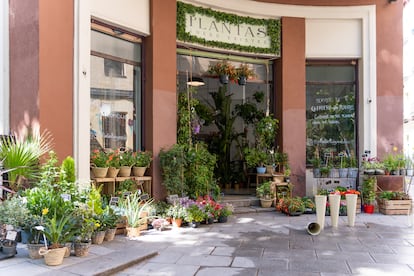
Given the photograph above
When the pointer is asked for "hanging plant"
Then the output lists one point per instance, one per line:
(225, 70)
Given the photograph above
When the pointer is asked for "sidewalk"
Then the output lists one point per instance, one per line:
(261, 243)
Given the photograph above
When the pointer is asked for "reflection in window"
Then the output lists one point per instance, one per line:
(115, 93)
(114, 130)
(113, 68)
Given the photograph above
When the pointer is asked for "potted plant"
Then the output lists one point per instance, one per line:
(225, 70)
(126, 161)
(109, 220)
(291, 206)
(266, 194)
(394, 203)
(243, 73)
(142, 160)
(86, 225)
(353, 167)
(135, 211)
(368, 193)
(58, 231)
(114, 164)
(177, 212)
(194, 214)
(255, 158)
(99, 163)
(316, 163)
(226, 211)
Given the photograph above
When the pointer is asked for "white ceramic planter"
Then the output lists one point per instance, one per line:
(334, 203)
(351, 203)
(320, 202)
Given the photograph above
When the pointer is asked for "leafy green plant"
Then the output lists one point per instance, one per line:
(126, 158)
(255, 157)
(59, 230)
(390, 195)
(173, 163)
(13, 211)
(177, 211)
(142, 158)
(264, 190)
(99, 159)
(22, 154)
(368, 190)
(134, 209)
(194, 213)
(109, 218)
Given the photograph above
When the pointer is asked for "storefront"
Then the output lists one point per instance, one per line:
(332, 75)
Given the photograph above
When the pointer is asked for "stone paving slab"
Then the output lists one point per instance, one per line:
(256, 243)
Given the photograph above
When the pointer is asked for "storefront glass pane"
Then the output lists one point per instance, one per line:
(115, 96)
(330, 113)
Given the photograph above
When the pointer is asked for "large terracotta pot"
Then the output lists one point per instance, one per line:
(138, 171)
(124, 171)
(99, 172)
(133, 232)
(112, 172)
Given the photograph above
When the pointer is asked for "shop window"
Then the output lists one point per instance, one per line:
(116, 105)
(330, 112)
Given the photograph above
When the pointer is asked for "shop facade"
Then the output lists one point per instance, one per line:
(90, 70)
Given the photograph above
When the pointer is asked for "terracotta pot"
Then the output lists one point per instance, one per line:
(177, 222)
(99, 172)
(133, 232)
(124, 171)
(98, 237)
(138, 171)
(110, 234)
(112, 172)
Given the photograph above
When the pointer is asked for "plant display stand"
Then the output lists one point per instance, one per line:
(395, 207)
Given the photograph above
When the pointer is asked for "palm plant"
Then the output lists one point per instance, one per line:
(22, 154)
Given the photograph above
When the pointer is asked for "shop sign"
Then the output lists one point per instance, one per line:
(209, 28)
(217, 29)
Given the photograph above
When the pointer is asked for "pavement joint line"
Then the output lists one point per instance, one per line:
(125, 265)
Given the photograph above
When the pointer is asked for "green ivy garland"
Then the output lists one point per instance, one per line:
(273, 29)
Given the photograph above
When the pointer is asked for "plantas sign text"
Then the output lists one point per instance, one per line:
(217, 29)
(211, 29)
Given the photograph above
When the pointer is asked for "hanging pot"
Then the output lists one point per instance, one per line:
(224, 79)
(242, 80)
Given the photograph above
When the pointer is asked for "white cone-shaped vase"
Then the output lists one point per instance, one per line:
(351, 203)
(334, 203)
(320, 202)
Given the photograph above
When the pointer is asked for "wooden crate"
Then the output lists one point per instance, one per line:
(395, 207)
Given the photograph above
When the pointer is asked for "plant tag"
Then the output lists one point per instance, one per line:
(11, 235)
(66, 197)
(114, 200)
